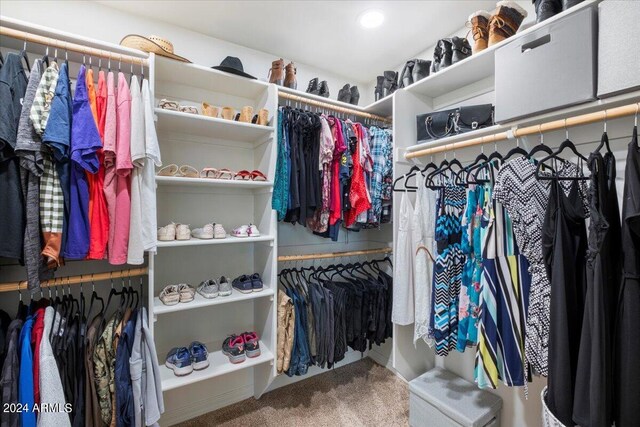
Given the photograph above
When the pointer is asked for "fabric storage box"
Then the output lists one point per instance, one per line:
(553, 67)
(439, 398)
(618, 44)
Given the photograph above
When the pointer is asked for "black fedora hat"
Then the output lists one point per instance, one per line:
(233, 65)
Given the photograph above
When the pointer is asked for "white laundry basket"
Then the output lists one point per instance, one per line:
(439, 398)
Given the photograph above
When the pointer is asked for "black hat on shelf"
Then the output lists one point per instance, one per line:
(233, 65)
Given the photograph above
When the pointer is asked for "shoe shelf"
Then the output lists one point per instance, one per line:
(218, 365)
(382, 107)
(228, 240)
(200, 301)
(178, 122)
(210, 182)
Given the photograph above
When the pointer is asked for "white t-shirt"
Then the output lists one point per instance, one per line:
(135, 252)
(148, 185)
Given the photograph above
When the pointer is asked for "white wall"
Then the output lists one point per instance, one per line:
(101, 22)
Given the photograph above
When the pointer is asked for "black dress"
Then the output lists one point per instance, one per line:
(594, 382)
(627, 344)
(564, 248)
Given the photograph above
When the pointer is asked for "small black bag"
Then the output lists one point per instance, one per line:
(474, 117)
(436, 125)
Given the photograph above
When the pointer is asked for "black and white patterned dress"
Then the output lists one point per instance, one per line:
(525, 198)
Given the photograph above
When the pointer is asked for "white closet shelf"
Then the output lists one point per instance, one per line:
(200, 301)
(228, 240)
(218, 365)
(321, 99)
(455, 138)
(206, 78)
(382, 107)
(211, 127)
(210, 182)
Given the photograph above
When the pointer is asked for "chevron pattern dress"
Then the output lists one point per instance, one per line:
(525, 198)
(447, 277)
(504, 299)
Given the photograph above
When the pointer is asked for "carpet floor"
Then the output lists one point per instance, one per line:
(359, 394)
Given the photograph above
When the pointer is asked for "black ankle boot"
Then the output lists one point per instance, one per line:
(324, 89)
(355, 95)
(313, 86)
(545, 9)
(344, 94)
(390, 84)
(378, 91)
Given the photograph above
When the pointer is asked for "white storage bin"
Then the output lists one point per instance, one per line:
(553, 67)
(618, 47)
(439, 398)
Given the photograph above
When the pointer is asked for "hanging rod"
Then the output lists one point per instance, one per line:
(74, 280)
(332, 107)
(74, 47)
(283, 258)
(584, 119)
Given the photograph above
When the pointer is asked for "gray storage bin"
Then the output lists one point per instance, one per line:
(553, 67)
(439, 398)
(618, 47)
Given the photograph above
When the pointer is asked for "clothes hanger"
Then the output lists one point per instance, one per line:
(541, 147)
(45, 58)
(449, 167)
(604, 140)
(412, 172)
(481, 158)
(429, 179)
(516, 150)
(94, 298)
(23, 54)
(482, 167)
(566, 144)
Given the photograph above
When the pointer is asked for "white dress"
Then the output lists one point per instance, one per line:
(403, 307)
(423, 232)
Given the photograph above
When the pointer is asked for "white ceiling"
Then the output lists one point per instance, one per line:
(323, 34)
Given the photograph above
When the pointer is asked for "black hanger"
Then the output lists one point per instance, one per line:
(567, 144)
(480, 159)
(1, 59)
(45, 58)
(604, 141)
(448, 167)
(95, 297)
(412, 172)
(516, 150)
(540, 148)
(23, 54)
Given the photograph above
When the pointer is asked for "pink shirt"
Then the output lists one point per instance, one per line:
(110, 137)
(118, 251)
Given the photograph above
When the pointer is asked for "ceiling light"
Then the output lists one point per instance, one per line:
(371, 18)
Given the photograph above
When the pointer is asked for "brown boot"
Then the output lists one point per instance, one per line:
(290, 76)
(506, 21)
(479, 24)
(277, 72)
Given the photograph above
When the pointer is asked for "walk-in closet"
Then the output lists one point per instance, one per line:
(319, 213)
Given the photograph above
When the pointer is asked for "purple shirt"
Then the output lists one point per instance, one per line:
(85, 141)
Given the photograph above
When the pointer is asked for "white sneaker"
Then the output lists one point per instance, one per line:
(168, 232)
(246, 231)
(183, 232)
(219, 232)
(205, 232)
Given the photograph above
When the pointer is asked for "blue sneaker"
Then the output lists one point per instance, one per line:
(199, 355)
(256, 282)
(243, 284)
(179, 360)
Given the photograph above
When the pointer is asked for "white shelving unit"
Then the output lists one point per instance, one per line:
(201, 141)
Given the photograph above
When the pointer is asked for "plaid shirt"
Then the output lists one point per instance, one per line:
(379, 153)
(51, 198)
(44, 95)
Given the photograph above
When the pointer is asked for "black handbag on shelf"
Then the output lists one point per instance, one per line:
(440, 124)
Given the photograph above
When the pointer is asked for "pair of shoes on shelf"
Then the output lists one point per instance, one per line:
(283, 76)
(209, 231)
(238, 347)
(247, 284)
(184, 171)
(248, 230)
(174, 231)
(386, 84)
(545, 9)
(183, 360)
(174, 294)
(320, 89)
(488, 29)
(166, 104)
(211, 288)
(349, 94)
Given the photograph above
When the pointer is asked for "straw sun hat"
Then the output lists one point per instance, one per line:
(154, 44)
